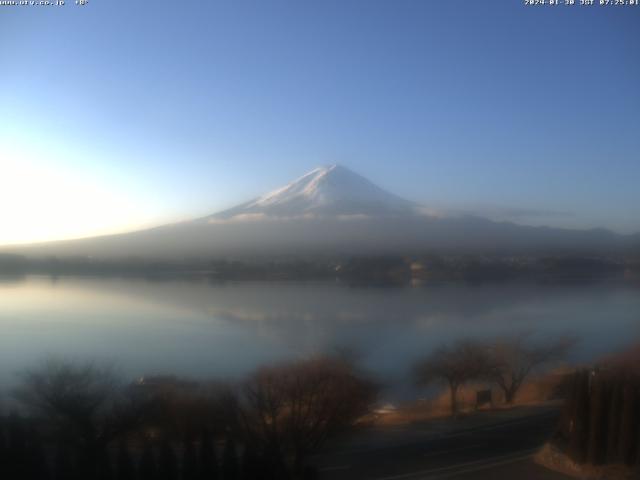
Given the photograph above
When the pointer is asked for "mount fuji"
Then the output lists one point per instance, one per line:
(332, 210)
(326, 191)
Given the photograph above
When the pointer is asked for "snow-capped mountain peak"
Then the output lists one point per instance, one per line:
(331, 190)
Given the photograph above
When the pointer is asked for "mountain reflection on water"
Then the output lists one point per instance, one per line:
(201, 329)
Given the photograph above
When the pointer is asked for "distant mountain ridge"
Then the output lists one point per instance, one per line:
(332, 210)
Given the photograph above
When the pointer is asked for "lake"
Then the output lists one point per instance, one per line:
(224, 330)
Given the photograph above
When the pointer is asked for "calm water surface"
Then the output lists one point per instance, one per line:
(201, 329)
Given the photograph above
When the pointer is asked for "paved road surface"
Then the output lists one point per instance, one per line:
(498, 451)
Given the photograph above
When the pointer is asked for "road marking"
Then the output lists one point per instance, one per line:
(444, 452)
(481, 464)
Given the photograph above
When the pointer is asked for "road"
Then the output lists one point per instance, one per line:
(493, 451)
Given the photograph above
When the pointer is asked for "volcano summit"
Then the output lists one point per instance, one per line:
(326, 191)
(332, 210)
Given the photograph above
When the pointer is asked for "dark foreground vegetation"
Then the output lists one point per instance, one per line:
(76, 422)
(601, 418)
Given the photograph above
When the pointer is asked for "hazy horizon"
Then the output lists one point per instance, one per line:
(497, 214)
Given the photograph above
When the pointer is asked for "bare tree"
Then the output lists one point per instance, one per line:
(456, 364)
(290, 410)
(513, 358)
(82, 405)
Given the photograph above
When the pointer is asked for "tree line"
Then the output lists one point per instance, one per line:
(506, 362)
(78, 421)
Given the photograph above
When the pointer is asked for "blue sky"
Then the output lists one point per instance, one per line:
(123, 114)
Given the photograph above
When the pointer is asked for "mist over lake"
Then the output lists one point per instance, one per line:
(200, 329)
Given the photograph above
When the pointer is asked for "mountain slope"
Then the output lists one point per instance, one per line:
(332, 210)
(332, 190)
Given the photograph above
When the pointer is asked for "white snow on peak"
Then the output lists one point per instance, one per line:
(329, 190)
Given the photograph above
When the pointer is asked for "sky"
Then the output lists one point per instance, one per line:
(120, 115)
